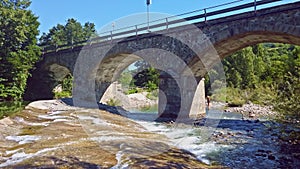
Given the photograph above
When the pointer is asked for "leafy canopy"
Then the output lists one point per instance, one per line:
(70, 33)
(18, 49)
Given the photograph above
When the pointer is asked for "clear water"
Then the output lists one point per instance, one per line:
(221, 138)
(195, 139)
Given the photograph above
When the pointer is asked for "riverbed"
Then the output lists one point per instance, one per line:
(232, 140)
(51, 134)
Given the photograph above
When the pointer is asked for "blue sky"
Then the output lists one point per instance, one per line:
(104, 12)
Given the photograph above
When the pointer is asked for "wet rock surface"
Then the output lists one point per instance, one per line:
(255, 144)
(68, 137)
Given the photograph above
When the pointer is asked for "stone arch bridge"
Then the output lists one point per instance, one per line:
(184, 54)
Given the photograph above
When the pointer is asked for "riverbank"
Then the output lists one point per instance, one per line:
(251, 110)
(248, 110)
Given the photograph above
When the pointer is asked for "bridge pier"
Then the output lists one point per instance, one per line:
(180, 98)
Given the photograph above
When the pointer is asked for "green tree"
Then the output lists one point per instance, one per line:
(267, 73)
(288, 98)
(247, 68)
(153, 81)
(70, 33)
(126, 79)
(148, 78)
(232, 69)
(18, 49)
(260, 62)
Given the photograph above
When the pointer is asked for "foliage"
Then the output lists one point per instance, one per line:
(126, 80)
(153, 95)
(18, 49)
(68, 34)
(62, 94)
(113, 102)
(141, 65)
(264, 74)
(67, 83)
(239, 69)
(288, 99)
(148, 78)
(145, 78)
(233, 96)
(8, 108)
(132, 91)
(66, 86)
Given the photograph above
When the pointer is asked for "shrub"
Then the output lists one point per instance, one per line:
(236, 103)
(132, 91)
(233, 96)
(153, 95)
(62, 94)
(113, 102)
(9, 108)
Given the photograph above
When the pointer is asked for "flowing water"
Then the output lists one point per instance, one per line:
(86, 138)
(228, 139)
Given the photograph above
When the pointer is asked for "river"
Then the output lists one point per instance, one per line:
(227, 139)
(84, 138)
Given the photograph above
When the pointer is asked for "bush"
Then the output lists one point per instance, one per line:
(113, 102)
(62, 94)
(9, 108)
(237, 97)
(219, 95)
(132, 91)
(236, 103)
(153, 95)
(151, 86)
(262, 95)
(233, 96)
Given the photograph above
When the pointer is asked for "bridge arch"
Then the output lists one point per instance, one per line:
(48, 73)
(227, 34)
(161, 52)
(235, 43)
(232, 33)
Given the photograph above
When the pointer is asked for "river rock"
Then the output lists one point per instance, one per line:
(6, 121)
(251, 110)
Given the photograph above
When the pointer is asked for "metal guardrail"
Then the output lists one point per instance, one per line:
(163, 24)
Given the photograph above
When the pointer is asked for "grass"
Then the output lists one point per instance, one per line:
(10, 108)
(62, 94)
(237, 97)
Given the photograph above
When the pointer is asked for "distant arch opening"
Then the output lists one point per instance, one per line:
(135, 89)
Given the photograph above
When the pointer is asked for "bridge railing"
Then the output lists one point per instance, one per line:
(202, 15)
